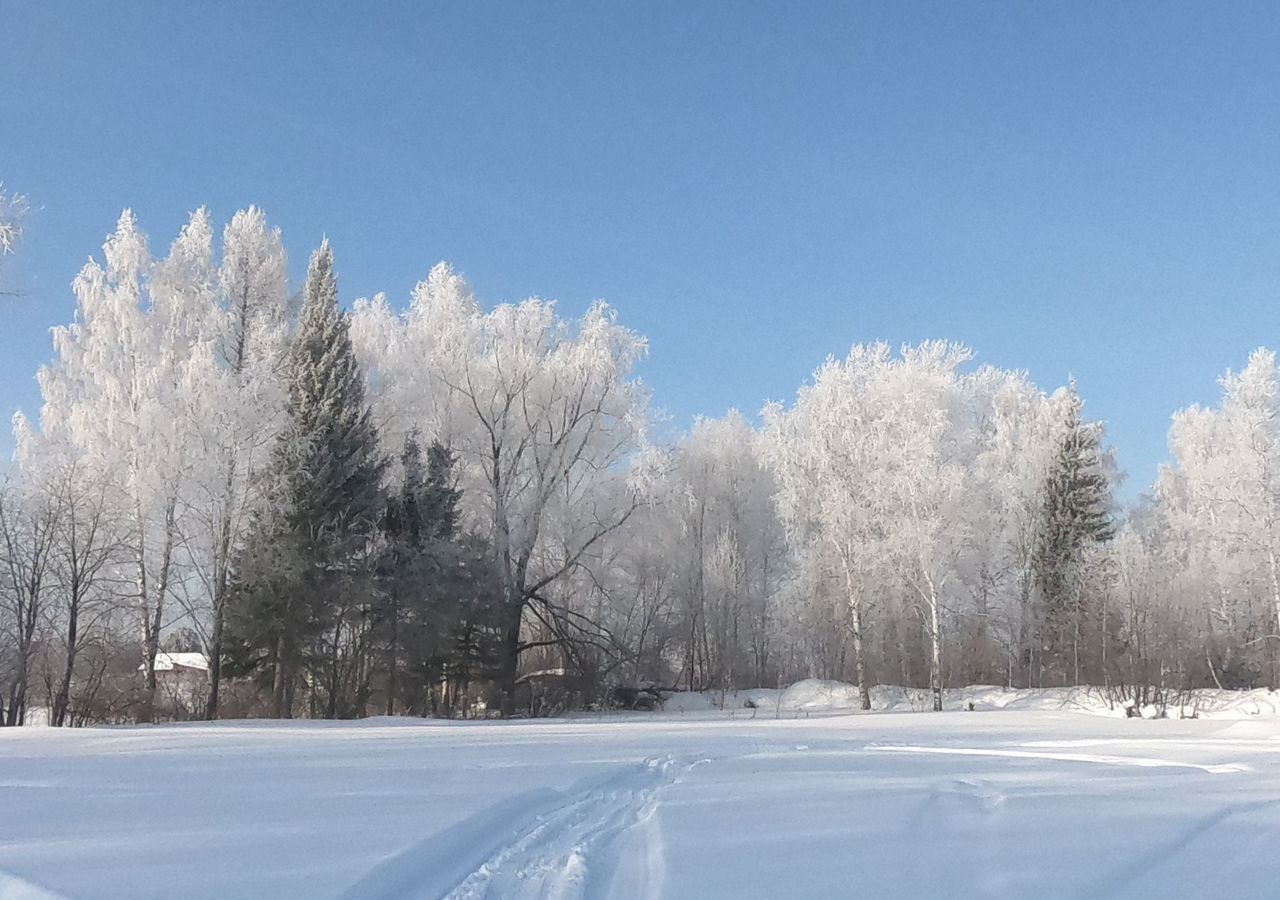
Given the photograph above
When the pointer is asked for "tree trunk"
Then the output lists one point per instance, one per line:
(935, 648)
(18, 692)
(392, 655)
(277, 682)
(221, 584)
(215, 666)
(63, 699)
(1274, 571)
(855, 624)
(156, 620)
(510, 669)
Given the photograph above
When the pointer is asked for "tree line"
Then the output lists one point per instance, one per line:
(441, 509)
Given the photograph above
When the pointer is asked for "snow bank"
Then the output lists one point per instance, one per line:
(818, 696)
(810, 696)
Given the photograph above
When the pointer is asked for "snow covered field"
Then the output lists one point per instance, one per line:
(1019, 803)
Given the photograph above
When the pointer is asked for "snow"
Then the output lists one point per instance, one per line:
(820, 696)
(1030, 799)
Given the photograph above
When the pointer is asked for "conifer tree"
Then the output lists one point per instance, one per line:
(439, 599)
(439, 496)
(403, 561)
(306, 566)
(1075, 515)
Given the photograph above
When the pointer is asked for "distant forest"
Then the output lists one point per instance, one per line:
(451, 510)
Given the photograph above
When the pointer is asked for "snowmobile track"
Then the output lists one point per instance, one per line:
(573, 844)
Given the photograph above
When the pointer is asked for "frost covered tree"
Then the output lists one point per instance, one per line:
(870, 466)
(1221, 501)
(1075, 516)
(243, 405)
(543, 414)
(117, 401)
(726, 554)
(908, 481)
(1016, 443)
(13, 213)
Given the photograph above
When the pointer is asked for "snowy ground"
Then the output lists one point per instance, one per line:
(1032, 802)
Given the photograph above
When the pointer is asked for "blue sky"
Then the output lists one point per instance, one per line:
(1081, 189)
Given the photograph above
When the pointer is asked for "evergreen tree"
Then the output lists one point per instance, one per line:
(439, 612)
(330, 456)
(403, 568)
(461, 641)
(298, 589)
(1075, 515)
(439, 496)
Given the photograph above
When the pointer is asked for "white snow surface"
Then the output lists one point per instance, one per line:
(1030, 795)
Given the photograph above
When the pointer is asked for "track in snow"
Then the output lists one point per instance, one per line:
(573, 845)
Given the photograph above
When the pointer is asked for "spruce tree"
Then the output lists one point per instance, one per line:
(306, 565)
(1075, 514)
(330, 456)
(403, 565)
(439, 600)
(440, 497)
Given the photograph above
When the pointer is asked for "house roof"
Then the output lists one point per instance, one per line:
(167, 662)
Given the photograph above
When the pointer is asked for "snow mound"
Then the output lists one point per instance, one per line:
(815, 696)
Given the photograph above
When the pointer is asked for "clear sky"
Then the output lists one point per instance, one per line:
(1071, 188)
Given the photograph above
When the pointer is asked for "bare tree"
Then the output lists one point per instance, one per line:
(29, 522)
(84, 551)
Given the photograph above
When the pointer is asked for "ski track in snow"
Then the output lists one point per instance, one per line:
(556, 858)
(1118, 881)
(1138, 761)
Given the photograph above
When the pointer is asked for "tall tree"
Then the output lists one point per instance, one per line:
(1076, 514)
(421, 520)
(1220, 503)
(246, 389)
(117, 396)
(312, 545)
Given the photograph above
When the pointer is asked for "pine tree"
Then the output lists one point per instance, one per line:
(1075, 515)
(299, 589)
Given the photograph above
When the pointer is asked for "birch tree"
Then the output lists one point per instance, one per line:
(1222, 499)
(243, 396)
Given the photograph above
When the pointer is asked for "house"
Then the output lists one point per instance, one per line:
(182, 681)
(180, 665)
